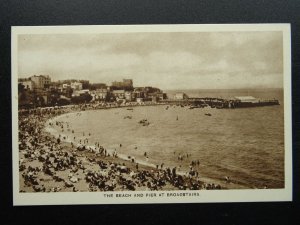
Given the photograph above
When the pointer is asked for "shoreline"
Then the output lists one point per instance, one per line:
(48, 165)
(55, 113)
(126, 158)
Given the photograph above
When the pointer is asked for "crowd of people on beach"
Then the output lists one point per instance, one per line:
(50, 164)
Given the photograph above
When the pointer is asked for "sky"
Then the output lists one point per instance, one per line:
(175, 60)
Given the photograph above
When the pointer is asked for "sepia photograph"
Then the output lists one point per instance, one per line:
(151, 114)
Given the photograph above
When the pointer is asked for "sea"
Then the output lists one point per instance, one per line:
(246, 145)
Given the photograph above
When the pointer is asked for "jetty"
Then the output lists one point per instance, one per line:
(221, 103)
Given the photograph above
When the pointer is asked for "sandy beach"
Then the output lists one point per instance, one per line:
(49, 163)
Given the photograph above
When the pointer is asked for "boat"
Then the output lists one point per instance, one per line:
(129, 108)
(144, 122)
(207, 114)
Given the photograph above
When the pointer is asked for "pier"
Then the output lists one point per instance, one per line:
(220, 103)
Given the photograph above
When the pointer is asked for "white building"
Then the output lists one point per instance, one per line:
(246, 99)
(119, 94)
(180, 96)
(40, 81)
(80, 92)
(99, 94)
(129, 96)
(76, 86)
(65, 86)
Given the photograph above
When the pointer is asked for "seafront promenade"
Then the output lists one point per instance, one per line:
(50, 164)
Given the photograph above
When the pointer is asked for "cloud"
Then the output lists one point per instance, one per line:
(167, 60)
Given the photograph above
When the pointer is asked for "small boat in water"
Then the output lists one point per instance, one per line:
(129, 108)
(207, 114)
(144, 122)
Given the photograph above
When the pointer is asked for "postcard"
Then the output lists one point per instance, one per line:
(151, 114)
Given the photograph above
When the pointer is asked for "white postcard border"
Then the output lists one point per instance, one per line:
(201, 196)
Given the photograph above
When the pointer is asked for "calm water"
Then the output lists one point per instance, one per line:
(245, 144)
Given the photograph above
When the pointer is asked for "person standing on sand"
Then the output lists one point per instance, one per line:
(174, 172)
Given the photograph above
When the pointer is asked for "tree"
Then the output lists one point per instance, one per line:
(85, 84)
(53, 97)
(21, 87)
(84, 98)
(63, 101)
